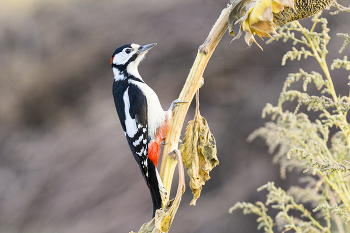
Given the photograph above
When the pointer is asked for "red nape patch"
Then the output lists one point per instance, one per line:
(153, 152)
(111, 60)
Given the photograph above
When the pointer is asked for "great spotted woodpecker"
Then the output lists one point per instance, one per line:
(142, 117)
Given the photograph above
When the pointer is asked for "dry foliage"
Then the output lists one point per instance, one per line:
(198, 153)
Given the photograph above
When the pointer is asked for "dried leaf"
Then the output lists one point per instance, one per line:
(198, 154)
(237, 12)
(162, 220)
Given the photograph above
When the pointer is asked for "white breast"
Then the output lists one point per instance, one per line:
(155, 112)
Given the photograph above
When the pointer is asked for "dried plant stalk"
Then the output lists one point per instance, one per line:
(193, 83)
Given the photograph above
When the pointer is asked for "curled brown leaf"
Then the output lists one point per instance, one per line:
(199, 154)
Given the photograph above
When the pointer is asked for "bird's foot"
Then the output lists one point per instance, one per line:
(176, 103)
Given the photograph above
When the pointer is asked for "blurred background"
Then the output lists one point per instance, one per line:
(65, 165)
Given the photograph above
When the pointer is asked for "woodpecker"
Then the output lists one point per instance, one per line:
(141, 115)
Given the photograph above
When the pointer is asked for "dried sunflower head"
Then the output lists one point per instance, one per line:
(260, 17)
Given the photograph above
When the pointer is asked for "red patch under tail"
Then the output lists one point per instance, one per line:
(154, 145)
(154, 152)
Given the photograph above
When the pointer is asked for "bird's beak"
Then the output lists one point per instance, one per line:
(144, 48)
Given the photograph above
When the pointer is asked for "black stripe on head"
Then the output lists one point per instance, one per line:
(118, 50)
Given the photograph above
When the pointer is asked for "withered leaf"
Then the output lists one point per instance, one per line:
(199, 154)
(237, 12)
(162, 220)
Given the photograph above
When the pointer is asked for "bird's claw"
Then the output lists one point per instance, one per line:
(176, 103)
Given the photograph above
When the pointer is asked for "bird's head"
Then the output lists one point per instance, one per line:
(126, 59)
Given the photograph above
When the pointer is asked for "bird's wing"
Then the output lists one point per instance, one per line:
(138, 126)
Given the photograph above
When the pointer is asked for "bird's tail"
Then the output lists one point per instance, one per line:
(155, 186)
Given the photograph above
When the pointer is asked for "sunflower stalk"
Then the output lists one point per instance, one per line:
(193, 82)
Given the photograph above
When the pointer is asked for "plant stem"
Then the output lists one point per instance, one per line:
(307, 214)
(314, 25)
(336, 189)
(193, 83)
(167, 221)
(335, 217)
(321, 61)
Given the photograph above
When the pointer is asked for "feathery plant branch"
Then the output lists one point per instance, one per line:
(305, 145)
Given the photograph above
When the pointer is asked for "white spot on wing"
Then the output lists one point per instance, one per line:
(130, 124)
(142, 152)
(137, 142)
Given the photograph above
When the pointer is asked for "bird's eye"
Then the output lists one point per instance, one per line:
(128, 50)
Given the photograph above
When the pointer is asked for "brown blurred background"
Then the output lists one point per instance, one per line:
(65, 165)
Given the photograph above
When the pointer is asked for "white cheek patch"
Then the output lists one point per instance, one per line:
(121, 58)
(130, 124)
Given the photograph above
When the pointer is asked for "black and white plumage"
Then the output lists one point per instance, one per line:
(141, 115)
